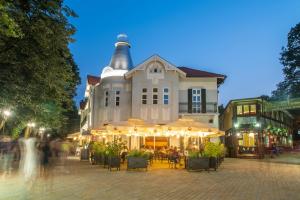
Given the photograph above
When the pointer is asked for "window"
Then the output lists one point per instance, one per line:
(106, 98)
(196, 94)
(246, 109)
(144, 96)
(155, 96)
(117, 98)
(166, 96)
(239, 110)
(253, 109)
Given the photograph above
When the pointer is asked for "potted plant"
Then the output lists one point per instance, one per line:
(137, 159)
(112, 152)
(97, 154)
(197, 161)
(213, 151)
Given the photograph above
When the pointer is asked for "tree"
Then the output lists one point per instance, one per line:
(290, 59)
(8, 26)
(38, 76)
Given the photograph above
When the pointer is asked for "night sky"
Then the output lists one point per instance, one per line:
(241, 39)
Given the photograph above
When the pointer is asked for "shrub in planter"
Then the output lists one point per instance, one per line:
(137, 159)
(213, 151)
(197, 162)
(112, 151)
(98, 150)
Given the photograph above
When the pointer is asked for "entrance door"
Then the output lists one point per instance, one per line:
(156, 143)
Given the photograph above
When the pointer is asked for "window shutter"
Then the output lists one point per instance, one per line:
(190, 96)
(203, 100)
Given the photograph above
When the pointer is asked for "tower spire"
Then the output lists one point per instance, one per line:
(121, 58)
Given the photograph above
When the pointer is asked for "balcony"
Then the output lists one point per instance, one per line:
(211, 107)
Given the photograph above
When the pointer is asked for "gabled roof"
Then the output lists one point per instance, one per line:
(195, 73)
(155, 58)
(93, 80)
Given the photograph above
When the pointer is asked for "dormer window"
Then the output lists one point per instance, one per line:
(155, 67)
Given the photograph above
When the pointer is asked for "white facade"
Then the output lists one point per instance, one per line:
(155, 91)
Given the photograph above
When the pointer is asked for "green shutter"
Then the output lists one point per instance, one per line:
(203, 100)
(190, 103)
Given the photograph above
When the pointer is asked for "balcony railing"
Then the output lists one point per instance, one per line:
(211, 107)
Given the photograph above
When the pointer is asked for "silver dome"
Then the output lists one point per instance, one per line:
(121, 58)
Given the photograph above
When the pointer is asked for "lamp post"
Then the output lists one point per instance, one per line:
(6, 114)
(30, 125)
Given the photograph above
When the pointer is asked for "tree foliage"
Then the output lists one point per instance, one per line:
(290, 59)
(8, 26)
(38, 76)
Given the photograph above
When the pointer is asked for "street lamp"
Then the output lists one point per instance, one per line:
(6, 114)
(31, 124)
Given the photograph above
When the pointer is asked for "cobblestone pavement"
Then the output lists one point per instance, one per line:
(235, 179)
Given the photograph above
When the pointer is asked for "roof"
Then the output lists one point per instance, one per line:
(93, 80)
(195, 73)
(199, 73)
(154, 58)
(121, 58)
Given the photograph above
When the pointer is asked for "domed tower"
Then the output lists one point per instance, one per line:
(114, 92)
(121, 60)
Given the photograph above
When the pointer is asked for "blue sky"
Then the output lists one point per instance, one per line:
(239, 38)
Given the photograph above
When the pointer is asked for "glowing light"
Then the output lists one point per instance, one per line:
(238, 134)
(257, 125)
(31, 124)
(7, 113)
(236, 125)
(251, 134)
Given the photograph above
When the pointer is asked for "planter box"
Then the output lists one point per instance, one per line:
(197, 163)
(137, 162)
(213, 163)
(99, 159)
(84, 154)
(114, 162)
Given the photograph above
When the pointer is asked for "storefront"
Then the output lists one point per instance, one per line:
(183, 134)
(251, 130)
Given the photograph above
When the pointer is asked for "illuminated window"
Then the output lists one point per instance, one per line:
(246, 109)
(239, 110)
(253, 109)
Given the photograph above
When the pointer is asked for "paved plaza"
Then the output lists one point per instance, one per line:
(235, 179)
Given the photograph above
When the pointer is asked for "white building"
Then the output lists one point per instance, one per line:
(154, 103)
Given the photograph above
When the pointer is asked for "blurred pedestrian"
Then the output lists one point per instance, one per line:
(29, 159)
(8, 156)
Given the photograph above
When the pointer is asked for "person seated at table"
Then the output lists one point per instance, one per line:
(175, 157)
(123, 154)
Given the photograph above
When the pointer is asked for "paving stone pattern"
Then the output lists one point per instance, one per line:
(235, 179)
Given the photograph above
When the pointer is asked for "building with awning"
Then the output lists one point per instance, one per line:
(154, 103)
